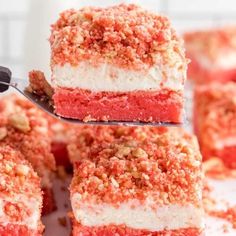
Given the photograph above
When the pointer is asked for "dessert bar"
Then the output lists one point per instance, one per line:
(25, 128)
(148, 181)
(215, 121)
(120, 63)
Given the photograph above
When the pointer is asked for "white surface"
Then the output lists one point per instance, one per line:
(224, 191)
(136, 215)
(106, 77)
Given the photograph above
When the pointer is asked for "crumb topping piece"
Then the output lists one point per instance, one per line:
(3, 133)
(20, 122)
(39, 84)
(124, 35)
(115, 164)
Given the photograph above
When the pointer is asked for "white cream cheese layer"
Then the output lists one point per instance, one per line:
(32, 205)
(136, 215)
(224, 62)
(106, 77)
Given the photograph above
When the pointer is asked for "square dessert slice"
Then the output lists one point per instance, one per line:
(120, 63)
(212, 54)
(20, 196)
(146, 182)
(25, 128)
(215, 121)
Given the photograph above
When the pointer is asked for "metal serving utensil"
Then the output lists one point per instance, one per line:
(6, 81)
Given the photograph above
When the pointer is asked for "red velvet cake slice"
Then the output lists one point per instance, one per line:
(25, 128)
(215, 121)
(146, 182)
(120, 63)
(212, 54)
(20, 196)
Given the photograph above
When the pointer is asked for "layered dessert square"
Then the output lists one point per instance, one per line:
(146, 182)
(20, 196)
(25, 128)
(213, 55)
(120, 63)
(215, 121)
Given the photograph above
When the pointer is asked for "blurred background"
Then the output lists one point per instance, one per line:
(24, 25)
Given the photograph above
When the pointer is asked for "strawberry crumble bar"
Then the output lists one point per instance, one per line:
(25, 128)
(215, 121)
(20, 196)
(119, 63)
(212, 54)
(147, 181)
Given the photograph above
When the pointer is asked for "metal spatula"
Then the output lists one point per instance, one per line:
(20, 85)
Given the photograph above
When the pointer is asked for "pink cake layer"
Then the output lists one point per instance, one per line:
(122, 230)
(18, 230)
(201, 75)
(148, 106)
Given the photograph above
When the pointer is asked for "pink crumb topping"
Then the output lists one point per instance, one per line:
(114, 164)
(17, 175)
(25, 128)
(211, 43)
(123, 35)
(19, 230)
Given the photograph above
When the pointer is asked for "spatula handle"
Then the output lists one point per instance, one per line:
(5, 78)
